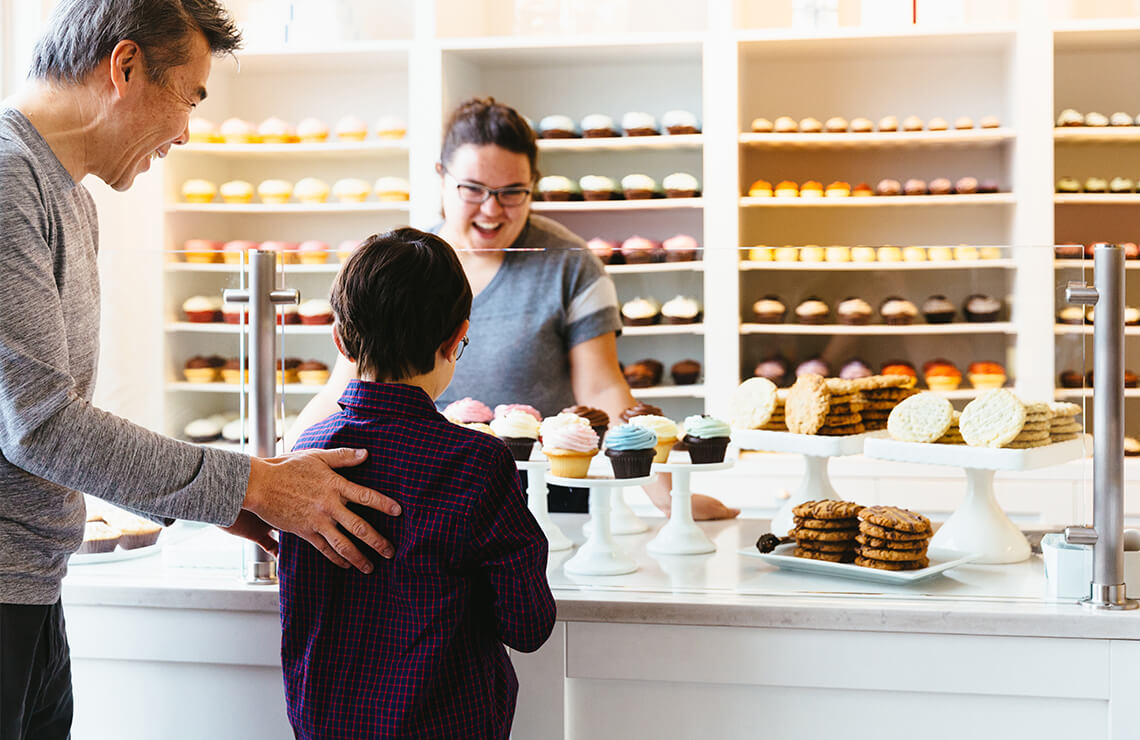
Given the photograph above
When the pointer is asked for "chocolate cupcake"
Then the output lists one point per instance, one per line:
(898, 311)
(641, 409)
(981, 308)
(769, 310)
(774, 368)
(557, 127)
(966, 186)
(681, 310)
(639, 187)
(638, 375)
(599, 420)
(640, 312)
(557, 188)
(598, 126)
(853, 311)
(98, 537)
(685, 372)
(813, 311)
(938, 310)
(1072, 379)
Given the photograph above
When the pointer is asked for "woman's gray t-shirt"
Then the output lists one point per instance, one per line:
(550, 294)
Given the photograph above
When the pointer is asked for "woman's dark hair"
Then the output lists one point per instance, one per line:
(483, 121)
(397, 299)
(82, 33)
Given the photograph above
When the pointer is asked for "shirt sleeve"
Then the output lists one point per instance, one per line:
(591, 299)
(511, 552)
(48, 429)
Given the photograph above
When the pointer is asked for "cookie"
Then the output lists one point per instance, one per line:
(874, 542)
(1065, 437)
(1067, 427)
(892, 564)
(1035, 426)
(881, 383)
(898, 556)
(921, 418)
(992, 419)
(841, 420)
(852, 523)
(821, 546)
(834, 557)
(753, 403)
(1064, 409)
(807, 404)
(1025, 445)
(888, 394)
(893, 535)
(839, 431)
(896, 518)
(824, 535)
(827, 509)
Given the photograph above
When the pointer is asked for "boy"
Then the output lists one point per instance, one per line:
(416, 648)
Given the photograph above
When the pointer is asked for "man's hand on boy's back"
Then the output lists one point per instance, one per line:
(301, 493)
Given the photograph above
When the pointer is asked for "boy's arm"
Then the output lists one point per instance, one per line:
(510, 551)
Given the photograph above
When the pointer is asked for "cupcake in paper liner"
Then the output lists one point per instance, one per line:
(570, 447)
(631, 449)
(666, 431)
(519, 431)
(707, 438)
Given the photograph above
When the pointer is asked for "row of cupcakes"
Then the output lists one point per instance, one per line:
(894, 311)
(861, 125)
(571, 438)
(1119, 185)
(217, 369)
(816, 253)
(205, 309)
(633, 123)
(939, 373)
(649, 372)
(558, 188)
(1076, 251)
(646, 311)
(228, 427)
(275, 130)
(1076, 379)
(309, 190)
(639, 250)
(310, 252)
(1071, 117)
(886, 186)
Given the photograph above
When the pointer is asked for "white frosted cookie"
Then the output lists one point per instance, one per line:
(924, 417)
(993, 419)
(753, 402)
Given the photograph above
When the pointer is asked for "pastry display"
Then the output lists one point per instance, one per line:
(898, 311)
(391, 189)
(640, 312)
(557, 127)
(681, 310)
(853, 312)
(680, 248)
(979, 308)
(681, 185)
(637, 250)
(351, 128)
(351, 190)
(812, 311)
(598, 187)
(706, 438)
(680, 122)
(639, 187)
(311, 190)
(274, 191)
(638, 123)
(769, 310)
(198, 191)
(315, 311)
(204, 369)
(201, 309)
(597, 126)
(685, 372)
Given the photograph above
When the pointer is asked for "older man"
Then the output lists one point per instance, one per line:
(112, 85)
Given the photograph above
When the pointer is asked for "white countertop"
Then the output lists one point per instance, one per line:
(724, 588)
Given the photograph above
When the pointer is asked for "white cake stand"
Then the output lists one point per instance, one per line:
(817, 450)
(598, 556)
(536, 493)
(622, 518)
(681, 535)
(979, 525)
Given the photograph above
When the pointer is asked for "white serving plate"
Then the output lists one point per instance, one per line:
(806, 444)
(940, 560)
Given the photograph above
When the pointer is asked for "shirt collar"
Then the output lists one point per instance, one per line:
(366, 398)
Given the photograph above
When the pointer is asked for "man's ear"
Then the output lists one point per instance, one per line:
(126, 62)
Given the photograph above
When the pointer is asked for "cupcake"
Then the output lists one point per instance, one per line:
(707, 438)
(570, 448)
(640, 312)
(467, 410)
(315, 311)
(863, 254)
(1096, 185)
(989, 122)
(391, 127)
(274, 191)
(351, 128)
(204, 131)
(898, 367)
(810, 125)
(681, 310)
(313, 372)
(898, 311)
(598, 187)
(862, 190)
(774, 368)
(888, 186)
(236, 431)
(288, 313)
(312, 130)
(638, 187)
(391, 189)
(937, 124)
(235, 371)
(855, 369)
(861, 125)
(201, 431)
(637, 250)
(986, 375)
(519, 432)
(835, 125)
(313, 252)
(1120, 119)
(685, 372)
(202, 369)
(198, 191)
(638, 375)
(598, 126)
(962, 123)
(286, 251)
(201, 309)
(1121, 185)
(1096, 119)
(680, 248)
(888, 254)
(311, 190)
(981, 308)
(1069, 251)
(680, 122)
(811, 189)
(1071, 379)
(915, 186)
(787, 189)
(505, 408)
(941, 186)
(837, 254)
(938, 310)
(965, 186)
(557, 188)
(941, 375)
(940, 254)
(604, 250)
(853, 312)
(641, 409)
(665, 430)
(201, 251)
(233, 313)
(351, 190)
(557, 127)
(912, 123)
(1068, 185)
(812, 311)
(276, 131)
(345, 249)
(654, 367)
(637, 123)
(762, 126)
(599, 420)
(236, 192)
(478, 426)
(631, 449)
(760, 189)
(681, 185)
(837, 189)
(914, 254)
(888, 123)
(814, 366)
(786, 125)
(98, 537)
(237, 131)
(287, 370)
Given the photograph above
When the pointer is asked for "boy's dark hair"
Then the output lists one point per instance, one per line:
(399, 297)
(483, 121)
(82, 33)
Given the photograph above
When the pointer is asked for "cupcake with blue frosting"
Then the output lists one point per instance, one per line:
(630, 449)
(707, 438)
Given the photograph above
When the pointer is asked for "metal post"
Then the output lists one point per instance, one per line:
(262, 296)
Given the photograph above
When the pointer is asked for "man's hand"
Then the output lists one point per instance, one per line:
(300, 493)
(254, 530)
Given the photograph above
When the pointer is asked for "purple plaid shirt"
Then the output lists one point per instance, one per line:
(415, 650)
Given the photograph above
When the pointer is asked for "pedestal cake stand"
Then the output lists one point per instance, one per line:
(598, 555)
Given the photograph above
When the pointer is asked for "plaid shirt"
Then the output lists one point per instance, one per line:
(415, 650)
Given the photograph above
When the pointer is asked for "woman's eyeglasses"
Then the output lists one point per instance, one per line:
(474, 193)
(462, 346)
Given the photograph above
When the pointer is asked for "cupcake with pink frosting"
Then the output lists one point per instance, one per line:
(467, 411)
(603, 249)
(637, 250)
(570, 447)
(680, 248)
(505, 408)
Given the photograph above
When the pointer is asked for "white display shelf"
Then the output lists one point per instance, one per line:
(563, 49)
(994, 327)
(1096, 134)
(905, 39)
(649, 204)
(662, 330)
(664, 142)
(1059, 329)
(232, 269)
(978, 264)
(881, 201)
(315, 150)
(650, 269)
(1097, 199)
(343, 55)
(298, 389)
(880, 140)
(220, 328)
(282, 209)
(669, 391)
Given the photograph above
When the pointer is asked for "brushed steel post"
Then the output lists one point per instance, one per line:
(262, 297)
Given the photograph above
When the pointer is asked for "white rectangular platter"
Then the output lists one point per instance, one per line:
(984, 458)
(816, 445)
(781, 557)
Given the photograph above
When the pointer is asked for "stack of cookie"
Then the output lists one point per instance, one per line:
(778, 421)
(998, 418)
(881, 393)
(818, 405)
(953, 435)
(1063, 425)
(826, 530)
(890, 538)
(1035, 432)
(923, 417)
(758, 404)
